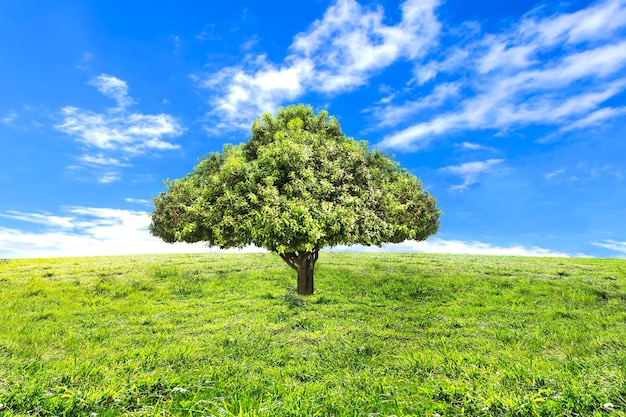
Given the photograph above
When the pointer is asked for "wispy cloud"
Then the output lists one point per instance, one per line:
(390, 115)
(95, 171)
(114, 88)
(341, 51)
(46, 219)
(469, 146)
(208, 34)
(119, 133)
(85, 61)
(471, 171)
(586, 172)
(138, 201)
(109, 177)
(555, 174)
(437, 245)
(100, 159)
(250, 43)
(613, 245)
(558, 70)
(8, 117)
(175, 40)
(596, 118)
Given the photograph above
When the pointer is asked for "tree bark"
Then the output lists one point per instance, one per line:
(304, 263)
(306, 268)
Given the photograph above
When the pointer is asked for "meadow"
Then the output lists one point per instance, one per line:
(384, 334)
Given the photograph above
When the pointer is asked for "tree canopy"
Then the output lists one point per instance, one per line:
(298, 185)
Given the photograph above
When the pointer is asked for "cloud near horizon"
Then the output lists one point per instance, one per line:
(85, 231)
(89, 231)
(613, 245)
(459, 247)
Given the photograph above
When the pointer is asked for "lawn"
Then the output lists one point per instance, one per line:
(384, 334)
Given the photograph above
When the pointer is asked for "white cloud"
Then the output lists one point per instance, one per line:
(456, 58)
(129, 133)
(89, 231)
(470, 171)
(613, 245)
(109, 177)
(556, 173)
(118, 133)
(475, 147)
(246, 96)
(420, 135)
(86, 231)
(141, 201)
(350, 42)
(114, 88)
(250, 43)
(558, 70)
(598, 21)
(392, 115)
(437, 245)
(338, 53)
(64, 222)
(595, 118)
(100, 159)
(9, 117)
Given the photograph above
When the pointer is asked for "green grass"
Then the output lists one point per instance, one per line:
(384, 334)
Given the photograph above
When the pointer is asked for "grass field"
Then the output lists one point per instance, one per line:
(384, 334)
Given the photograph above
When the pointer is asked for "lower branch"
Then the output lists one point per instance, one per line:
(289, 260)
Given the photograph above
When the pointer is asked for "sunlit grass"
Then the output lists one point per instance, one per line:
(384, 334)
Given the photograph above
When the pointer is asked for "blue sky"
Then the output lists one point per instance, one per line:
(512, 113)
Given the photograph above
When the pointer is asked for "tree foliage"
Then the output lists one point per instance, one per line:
(298, 185)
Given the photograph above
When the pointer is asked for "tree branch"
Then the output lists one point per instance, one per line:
(288, 261)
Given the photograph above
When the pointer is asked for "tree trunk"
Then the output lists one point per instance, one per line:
(306, 267)
(304, 263)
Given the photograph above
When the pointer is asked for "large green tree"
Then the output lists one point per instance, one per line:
(298, 185)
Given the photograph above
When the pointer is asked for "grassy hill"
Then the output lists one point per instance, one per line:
(384, 334)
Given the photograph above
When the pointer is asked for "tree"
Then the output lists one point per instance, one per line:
(298, 185)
